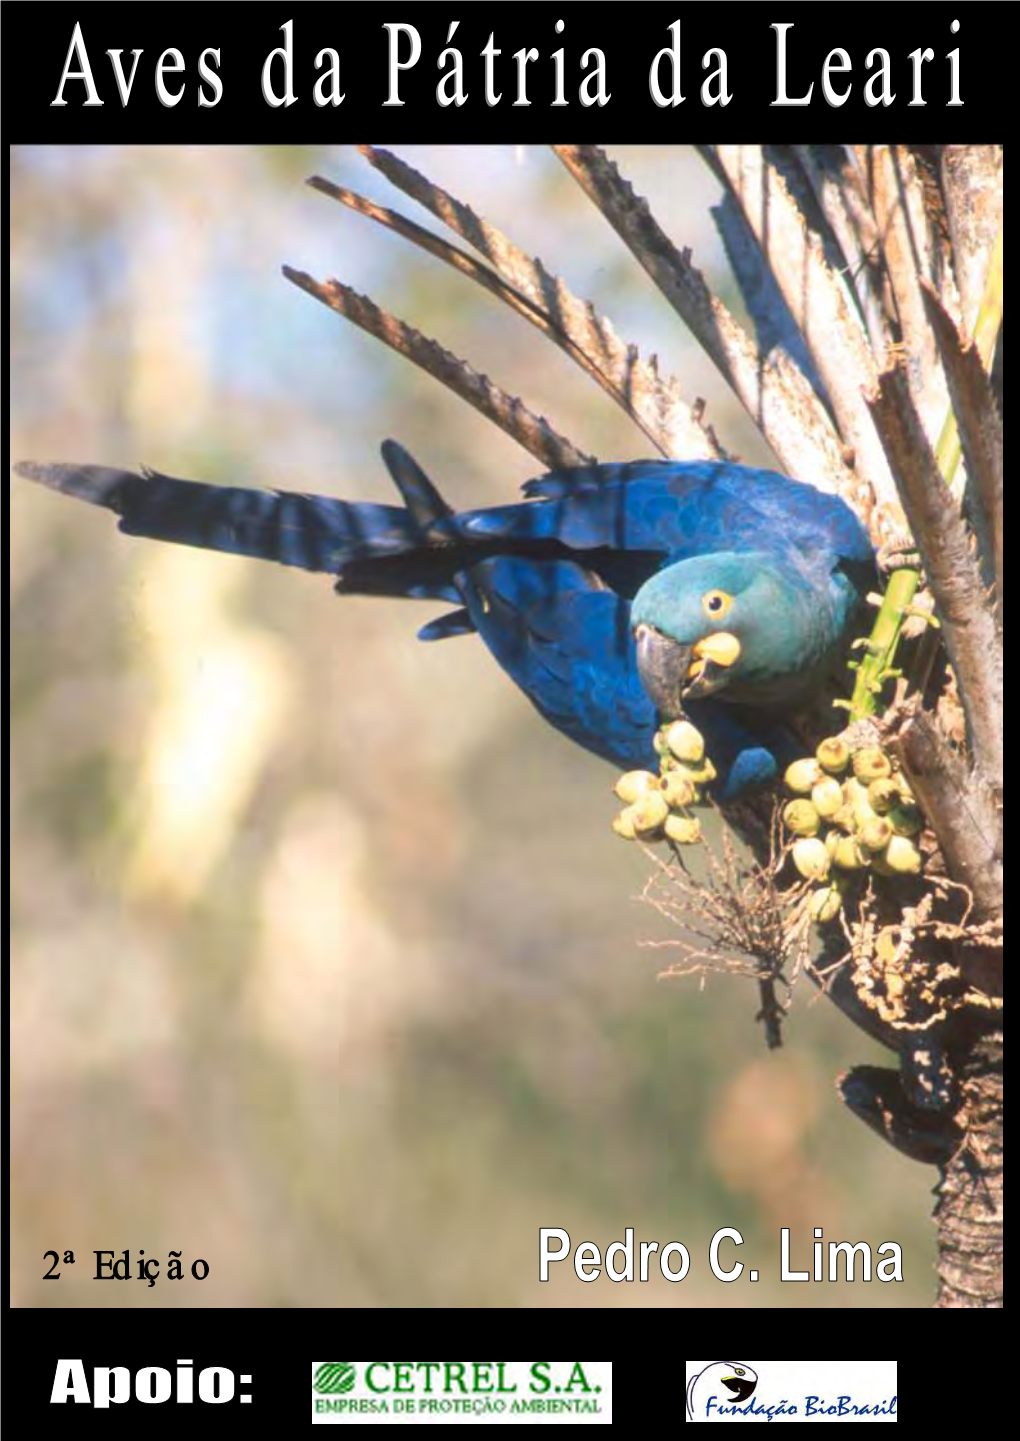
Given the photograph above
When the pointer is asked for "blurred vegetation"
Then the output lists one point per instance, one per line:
(324, 961)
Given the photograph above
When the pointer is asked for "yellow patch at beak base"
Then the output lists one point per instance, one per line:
(721, 647)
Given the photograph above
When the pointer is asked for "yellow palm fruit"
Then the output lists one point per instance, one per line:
(633, 784)
(825, 904)
(801, 818)
(845, 819)
(902, 856)
(856, 795)
(623, 825)
(685, 830)
(802, 774)
(833, 754)
(678, 789)
(827, 796)
(874, 834)
(871, 764)
(648, 813)
(697, 775)
(847, 854)
(883, 794)
(810, 858)
(686, 742)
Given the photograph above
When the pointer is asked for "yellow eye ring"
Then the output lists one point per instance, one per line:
(716, 603)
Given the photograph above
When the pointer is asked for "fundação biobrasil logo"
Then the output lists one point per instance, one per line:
(723, 1387)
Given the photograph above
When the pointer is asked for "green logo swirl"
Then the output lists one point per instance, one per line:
(334, 1377)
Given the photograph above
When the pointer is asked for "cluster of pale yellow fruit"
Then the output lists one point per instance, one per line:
(658, 806)
(866, 820)
(853, 810)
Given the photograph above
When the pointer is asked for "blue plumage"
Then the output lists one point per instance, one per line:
(743, 585)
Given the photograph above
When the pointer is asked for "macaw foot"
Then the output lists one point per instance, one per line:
(898, 552)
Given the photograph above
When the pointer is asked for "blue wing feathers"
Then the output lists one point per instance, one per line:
(546, 582)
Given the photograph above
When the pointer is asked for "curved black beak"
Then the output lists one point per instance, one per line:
(672, 672)
(664, 666)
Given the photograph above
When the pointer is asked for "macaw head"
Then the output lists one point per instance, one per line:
(744, 625)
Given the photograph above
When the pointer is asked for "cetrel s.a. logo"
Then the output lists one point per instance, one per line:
(334, 1378)
(731, 1381)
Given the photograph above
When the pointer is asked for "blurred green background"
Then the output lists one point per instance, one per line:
(325, 962)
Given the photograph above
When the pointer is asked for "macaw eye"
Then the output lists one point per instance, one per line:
(716, 603)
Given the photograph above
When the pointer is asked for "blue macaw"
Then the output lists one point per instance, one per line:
(615, 596)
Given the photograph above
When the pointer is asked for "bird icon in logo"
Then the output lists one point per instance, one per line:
(738, 1379)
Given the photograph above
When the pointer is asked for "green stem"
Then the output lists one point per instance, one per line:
(875, 666)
